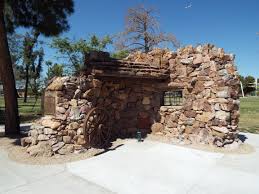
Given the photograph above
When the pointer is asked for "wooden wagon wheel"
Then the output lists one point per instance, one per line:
(97, 128)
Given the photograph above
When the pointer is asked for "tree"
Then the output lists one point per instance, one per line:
(45, 16)
(142, 31)
(16, 48)
(16, 51)
(74, 51)
(120, 54)
(34, 72)
(29, 56)
(248, 84)
(55, 70)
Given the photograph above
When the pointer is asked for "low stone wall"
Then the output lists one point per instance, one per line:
(209, 113)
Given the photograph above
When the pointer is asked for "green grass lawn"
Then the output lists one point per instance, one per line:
(249, 114)
(28, 112)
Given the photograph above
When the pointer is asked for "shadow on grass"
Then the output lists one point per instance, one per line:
(28, 106)
(254, 130)
(24, 118)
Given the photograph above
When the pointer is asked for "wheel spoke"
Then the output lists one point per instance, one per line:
(96, 127)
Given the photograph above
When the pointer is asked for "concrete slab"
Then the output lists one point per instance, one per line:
(16, 178)
(152, 167)
(64, 183)
(137, 168)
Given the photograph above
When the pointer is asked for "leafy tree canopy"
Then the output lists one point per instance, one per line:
(73, 51)
(120, 54)
(54, 70)
(45, 16)
(248, 84)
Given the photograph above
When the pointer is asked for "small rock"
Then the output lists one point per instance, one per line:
(56, 85)
(157, 127)
(89, 93)
(81, 140)
(218, 143)
(60, 109)
(220, 129)
(41, 149)
(80, 131)
(205, 117)
(49, 131)
(187, 61)
(73, 103)
(73, 126)
(36, 126)
(122, 96)
(189, 121)
(42, 137)
(97, 83)
(28, 141)
(198, 59)
(67, 149)
(53, 141)
(78, 147)
(222, 115)
(74, 113)
(57, 146)
(51, 124)
(198, 104)
(85, 109)
(77, 94)
(34, 133)
(146, 100)
(223, 94)
(209, 83)
(67, 139)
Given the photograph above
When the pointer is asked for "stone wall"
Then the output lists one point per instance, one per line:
(209, 113)
(210, 85)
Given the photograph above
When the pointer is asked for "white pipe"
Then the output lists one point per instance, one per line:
(242, 90)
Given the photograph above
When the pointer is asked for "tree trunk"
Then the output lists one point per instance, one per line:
(26, 84)
(146, 47)
(12, 125)
(28, 52)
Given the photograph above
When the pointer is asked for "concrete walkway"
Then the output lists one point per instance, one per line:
(18, 178)
(136, 168)
(24, 128)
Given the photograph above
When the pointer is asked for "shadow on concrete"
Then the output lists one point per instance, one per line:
(16, 139)
(242, 137)
(108, 150)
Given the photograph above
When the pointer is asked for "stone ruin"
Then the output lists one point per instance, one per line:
(190, 95)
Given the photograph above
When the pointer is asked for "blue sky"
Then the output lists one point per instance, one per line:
(230, 24)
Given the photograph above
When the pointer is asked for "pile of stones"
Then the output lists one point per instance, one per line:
(156, 57)
(62, 133)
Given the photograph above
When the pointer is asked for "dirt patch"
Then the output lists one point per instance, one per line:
(244, 148)
(19, 154)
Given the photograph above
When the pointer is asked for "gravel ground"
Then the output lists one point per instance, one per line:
(244, 148)
(19, 154)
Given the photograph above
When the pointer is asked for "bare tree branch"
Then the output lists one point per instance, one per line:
(142, 31)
